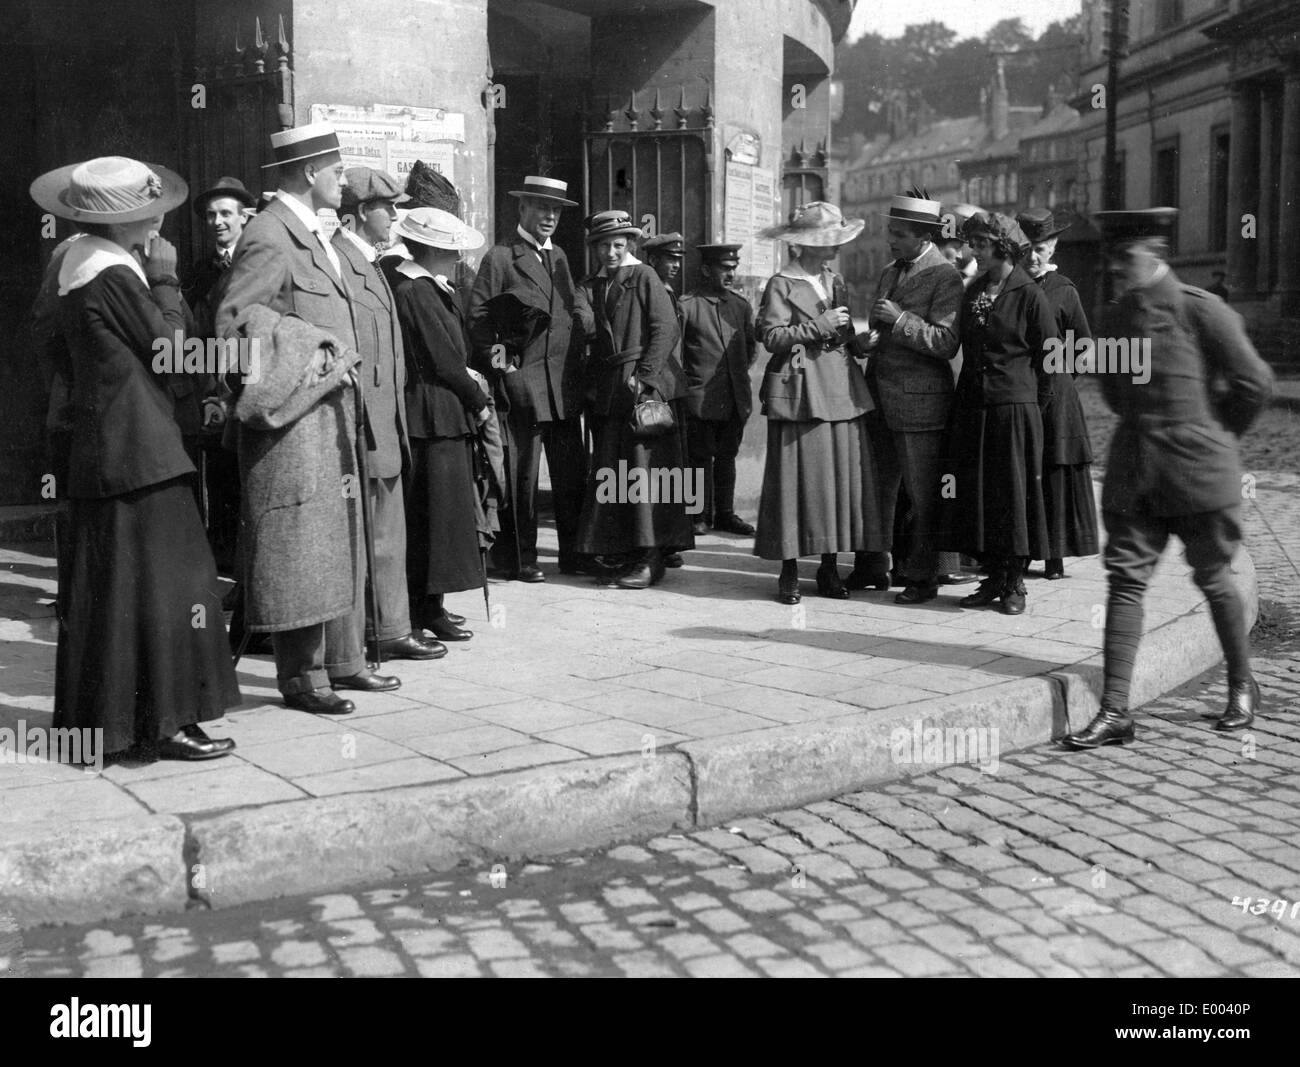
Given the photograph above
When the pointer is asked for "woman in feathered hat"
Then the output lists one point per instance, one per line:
(996, 512)
(633, 358)
(819, 477)
(1067, 451)
(142, 653)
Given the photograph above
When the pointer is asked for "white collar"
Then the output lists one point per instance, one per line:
(362, 245)
(412, 269)
(306, 215)
(397, 248)
(533, 240)
(1161, 270)
(794, 269)
(629, 260)
(88, 256)
(1044, 272)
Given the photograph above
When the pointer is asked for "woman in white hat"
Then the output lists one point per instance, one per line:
(143, 653)
(446, 403)
(819, 478)
(633, 359)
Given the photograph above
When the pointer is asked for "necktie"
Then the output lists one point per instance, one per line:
(545, 253)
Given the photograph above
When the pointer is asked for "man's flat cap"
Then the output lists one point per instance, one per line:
(366, 184)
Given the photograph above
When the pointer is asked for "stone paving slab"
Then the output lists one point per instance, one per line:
(758, 704)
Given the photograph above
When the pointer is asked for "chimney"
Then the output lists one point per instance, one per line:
(999, 120)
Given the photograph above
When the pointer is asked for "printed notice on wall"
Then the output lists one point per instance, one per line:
(750, 205)
(391, 137)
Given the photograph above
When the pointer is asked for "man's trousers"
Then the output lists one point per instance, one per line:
(712, 446)
(913, 459)
(566, 460)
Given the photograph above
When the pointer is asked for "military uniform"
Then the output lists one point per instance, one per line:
(1174, 468)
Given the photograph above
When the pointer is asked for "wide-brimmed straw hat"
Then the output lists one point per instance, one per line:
(545, 189)
(109, 189)
(437, 228)
(613, 223)
(817, 224)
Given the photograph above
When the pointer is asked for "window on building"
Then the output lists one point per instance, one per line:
(1220, 143)
(1031, 196)
(1164, 176)
(1011, 188)
(1169, 14)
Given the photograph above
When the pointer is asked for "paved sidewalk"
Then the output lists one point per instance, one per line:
(580, 715)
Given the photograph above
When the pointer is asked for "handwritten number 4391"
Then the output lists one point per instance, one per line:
(1261, 905)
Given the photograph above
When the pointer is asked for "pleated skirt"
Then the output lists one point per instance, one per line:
(819, 491)
(996, 505)
(442, 553)
(143, 651)
(1071, 511)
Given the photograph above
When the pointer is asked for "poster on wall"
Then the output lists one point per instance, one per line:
(391, 137)
(750, 204)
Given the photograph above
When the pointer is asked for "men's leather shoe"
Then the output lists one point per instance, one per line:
(320, 702)
(987, 593)
(367, 683)
(917, 594)
(445, 630)
(638, 576)
(673, 559)
(700, 528)
(1243, 702)
(730, 522)
(452, 617)
(530, 572)
(412, 646)
(193, 744)
(1013, 603)
(862, 579)
(1110, 727)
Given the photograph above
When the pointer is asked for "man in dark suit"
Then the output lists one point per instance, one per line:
(718, 348)
(914, 338)
(1174, 465)
(369, 200)
(286, 263)
(540, 387)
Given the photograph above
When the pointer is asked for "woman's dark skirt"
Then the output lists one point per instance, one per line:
(442, 550)
(612, 527)
(997, 506)
(1071, 511)
(819, 491)
(144, 649)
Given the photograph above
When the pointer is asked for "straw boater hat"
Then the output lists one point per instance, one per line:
(817, 224)
(109, 189)
(305, 142)
(227, 186)
(437, 228)
(918, 209)
(1040, 224)
(610, 224)
(545, 189)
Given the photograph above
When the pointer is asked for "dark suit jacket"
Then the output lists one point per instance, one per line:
(441, 397)
(548, 382)
(910, 371)
(379, 339)
(1003, 362)
(1175, 449)
(124, 434)
(635, 335)
(718, 348)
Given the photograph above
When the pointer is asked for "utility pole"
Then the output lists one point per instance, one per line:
(1112, 196)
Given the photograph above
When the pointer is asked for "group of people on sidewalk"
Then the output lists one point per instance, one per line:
(389, 409)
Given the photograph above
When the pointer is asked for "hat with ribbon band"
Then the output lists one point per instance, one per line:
(109, 189)
(437, 228)
(305, 142)
(545, 189)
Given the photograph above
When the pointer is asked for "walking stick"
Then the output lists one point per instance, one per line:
(364, 439)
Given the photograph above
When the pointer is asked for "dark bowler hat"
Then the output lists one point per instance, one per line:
(1039, 224)
(613, 223)
(366, 184)
(1118, 227)
(720, 255)
(545, 189)
(305, 142)
(666, 244)
(227, 186)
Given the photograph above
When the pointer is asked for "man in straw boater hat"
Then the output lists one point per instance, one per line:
(370, 201)
(538, 385)
(303, 562)
(718, 348)
(1174, 466)
(913, 340)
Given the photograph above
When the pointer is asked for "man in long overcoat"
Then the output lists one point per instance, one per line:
(540, 386)
(1174, 466)
(301, 525)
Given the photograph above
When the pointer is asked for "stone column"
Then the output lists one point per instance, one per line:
(1269, 105)
(1287, 292)
(1243, 189)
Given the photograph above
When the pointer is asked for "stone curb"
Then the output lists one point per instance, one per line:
(55, 872)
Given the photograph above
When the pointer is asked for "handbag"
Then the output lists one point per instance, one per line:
(651, 418)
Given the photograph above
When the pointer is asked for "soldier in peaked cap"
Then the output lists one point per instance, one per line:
(540, 386)
(1174, 465)
(718, 348)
